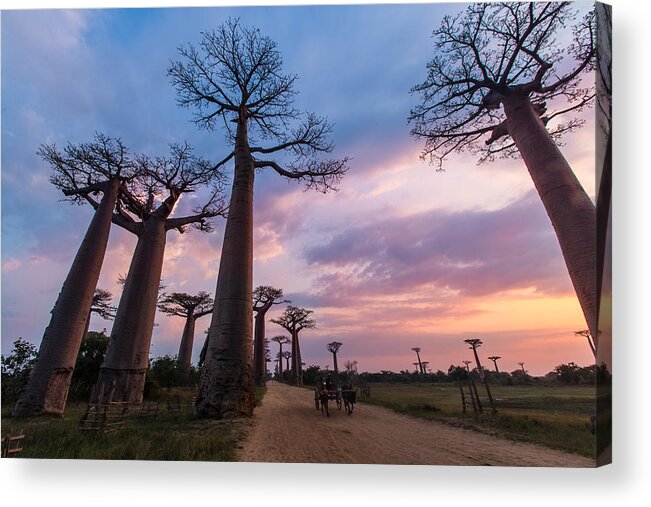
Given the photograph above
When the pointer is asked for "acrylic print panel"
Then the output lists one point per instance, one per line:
(331, 234)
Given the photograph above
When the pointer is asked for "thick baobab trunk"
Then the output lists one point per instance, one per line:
(297, 370)
(187, 341)
(226, 387)
(127, 357)
(47, 389)
(334, 359)
(569, 208)
(258, 349)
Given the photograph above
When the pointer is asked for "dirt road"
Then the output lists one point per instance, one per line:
(287, 428)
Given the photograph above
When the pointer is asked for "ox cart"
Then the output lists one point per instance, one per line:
(343, 396)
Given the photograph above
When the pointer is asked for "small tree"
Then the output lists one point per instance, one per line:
(585, 333)
(236, 77)
(334, 347)
(494, 359)
(91, 354)
(294, 320)
(497, 71)
(281, 340)
(190, 307)
(16, 368)
(264, 297)
(420, 364)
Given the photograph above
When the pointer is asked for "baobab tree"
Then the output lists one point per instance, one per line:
(425, 364)
(287, 355)
(494, 359)
(264, 297)
(190, 307)
(147, 212)
(281, 340)
(236, 76)
(420, 365)
(507, 71)
(467, 363)
(522, 367)
(101, 306)
(294, 319)
(474, 343)
(81, 172)
(334, 347)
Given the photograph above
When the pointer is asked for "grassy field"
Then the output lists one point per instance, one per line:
(554, 416)
(169, 436)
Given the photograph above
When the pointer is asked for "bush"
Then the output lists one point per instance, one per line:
(16, 368)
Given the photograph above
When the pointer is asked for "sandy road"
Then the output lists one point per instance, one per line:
(287, 428)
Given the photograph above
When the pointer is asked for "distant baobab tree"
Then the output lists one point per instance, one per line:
(294, 319)
(425, 364)
(350, 366)
(420, 365)
(494, 359)
(235, 79)
(81, 172)
(334, 347)
(467, 363)
(281, 340)
(498, 69)
(522, 366)
(474, 343)
(101, 306)
(264, 297)
(191, 307)
(287, 355)
(146, 211)
(591, 342)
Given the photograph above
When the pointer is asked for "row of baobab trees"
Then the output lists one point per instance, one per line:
(497, 71)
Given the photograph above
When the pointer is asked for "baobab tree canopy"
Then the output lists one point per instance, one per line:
(492, 52)
(236, 71)
(182, 304)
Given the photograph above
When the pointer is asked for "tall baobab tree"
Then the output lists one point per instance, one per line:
(235, 76)
(80, 172)
(474, 343)
(333, 347)
(190, 307)
(148, 212)
(592, 343)
(281, 340)
(294, 319)
(494, 359)
(497, 71)
(522, 366)
(420, 364)
(264, 297)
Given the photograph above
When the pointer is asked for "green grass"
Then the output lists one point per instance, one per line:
(169, 436)
(553, 416)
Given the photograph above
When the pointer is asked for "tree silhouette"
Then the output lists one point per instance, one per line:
(80, 172)
(147, 210)
(101, 306)
(474, 343)
(334, 347)
(467, 363)
(281, 340)
(522, 367)
(287, 355)
(235, 76)
(190, 307)
(494, 359)
(420, 365)
(264, 297)
(294, 319)
(497, 71)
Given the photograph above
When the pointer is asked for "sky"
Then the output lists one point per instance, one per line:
(401, 256)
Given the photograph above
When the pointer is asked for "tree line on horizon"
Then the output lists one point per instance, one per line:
(496, 73)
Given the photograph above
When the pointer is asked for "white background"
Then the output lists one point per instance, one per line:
(627, 481)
